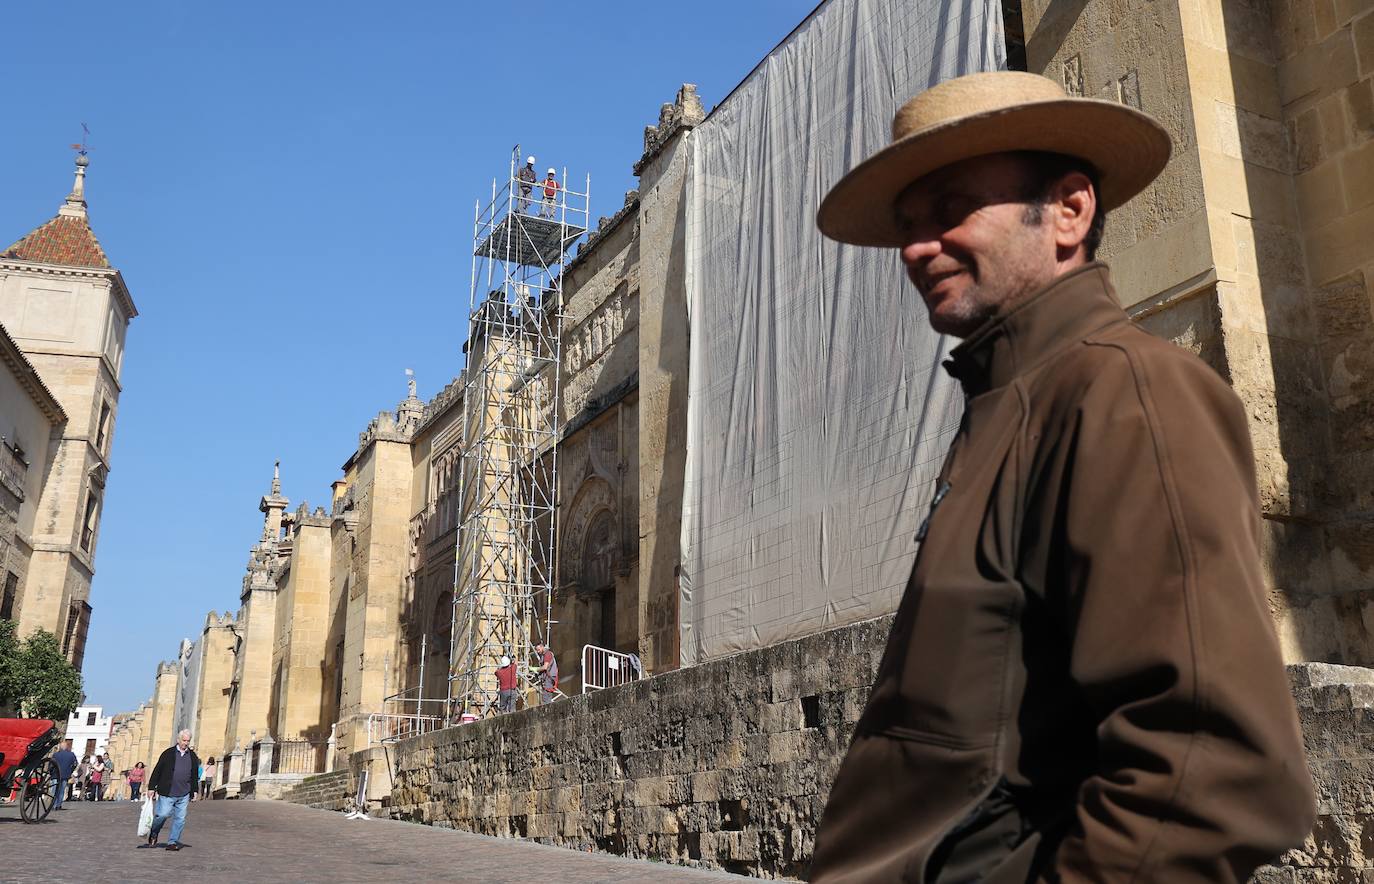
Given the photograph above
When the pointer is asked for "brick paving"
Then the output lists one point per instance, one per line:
(268, 841)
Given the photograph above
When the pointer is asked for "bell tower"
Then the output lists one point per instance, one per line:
(68, 309)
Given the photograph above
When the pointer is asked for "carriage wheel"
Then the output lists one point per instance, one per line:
(36, 801)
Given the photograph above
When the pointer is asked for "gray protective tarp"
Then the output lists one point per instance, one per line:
(818, 412)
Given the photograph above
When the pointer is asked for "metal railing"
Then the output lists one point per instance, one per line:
(603, 668)
(299, 757)
(385, 727)
(405, 715)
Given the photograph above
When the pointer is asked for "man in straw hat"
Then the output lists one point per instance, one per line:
(1082, 681)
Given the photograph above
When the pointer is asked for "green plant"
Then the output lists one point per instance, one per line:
(35, 678)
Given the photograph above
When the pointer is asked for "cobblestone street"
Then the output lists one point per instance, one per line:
(267, 841)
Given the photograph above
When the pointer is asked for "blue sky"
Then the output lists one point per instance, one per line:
(288, 189)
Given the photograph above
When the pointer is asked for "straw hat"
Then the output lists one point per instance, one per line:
(989, 113)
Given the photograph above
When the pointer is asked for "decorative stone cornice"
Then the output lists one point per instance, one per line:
(28, 378)
(604, 228)
(599, 405)
(116, 279)
(685, 112)
(442, 402)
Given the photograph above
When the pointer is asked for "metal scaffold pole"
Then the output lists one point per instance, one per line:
(504, 571)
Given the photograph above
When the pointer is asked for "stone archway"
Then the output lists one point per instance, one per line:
(593, 499)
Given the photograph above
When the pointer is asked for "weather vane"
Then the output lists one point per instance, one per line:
(85, 136)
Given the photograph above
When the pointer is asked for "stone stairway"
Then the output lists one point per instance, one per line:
(328, 791)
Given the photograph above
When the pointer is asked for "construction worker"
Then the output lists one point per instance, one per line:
(507, 685)
(550, 185)
(527, 178)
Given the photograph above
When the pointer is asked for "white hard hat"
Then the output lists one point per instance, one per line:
(529, 160)
(505, 661)
(550, 170)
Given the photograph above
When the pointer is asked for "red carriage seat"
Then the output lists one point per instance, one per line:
(16, 736)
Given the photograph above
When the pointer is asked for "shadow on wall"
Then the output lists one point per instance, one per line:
(663, 606)
(1317, 329)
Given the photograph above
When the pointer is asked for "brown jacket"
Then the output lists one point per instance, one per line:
(1082, 681)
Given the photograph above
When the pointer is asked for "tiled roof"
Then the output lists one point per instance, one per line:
(64, 240)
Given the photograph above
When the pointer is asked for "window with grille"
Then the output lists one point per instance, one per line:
(91, 520)
(102, 431)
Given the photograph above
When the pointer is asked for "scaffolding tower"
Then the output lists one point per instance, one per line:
(504, 573)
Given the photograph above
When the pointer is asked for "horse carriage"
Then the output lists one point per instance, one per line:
(25, 766)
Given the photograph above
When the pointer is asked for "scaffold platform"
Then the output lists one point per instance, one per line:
(529, 240)
(508, 478)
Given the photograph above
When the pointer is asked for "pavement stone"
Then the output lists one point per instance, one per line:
(270, 841)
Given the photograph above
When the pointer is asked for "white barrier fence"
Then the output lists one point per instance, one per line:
(603, 668)
(404, 717)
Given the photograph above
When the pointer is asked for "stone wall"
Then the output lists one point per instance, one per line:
(1336, 708)
(724, 765)
(1253, 250)
(663, 365)
(727, 765)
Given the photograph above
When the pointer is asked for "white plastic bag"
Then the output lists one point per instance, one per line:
(145, 818)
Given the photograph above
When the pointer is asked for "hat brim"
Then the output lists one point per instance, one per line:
(1128, 148)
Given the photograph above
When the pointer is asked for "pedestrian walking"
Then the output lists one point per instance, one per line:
(66, 762)
(135, 779)
(207, 778)
(507, 685)
(546, 674)
(1082, 682)
(172, 786)
(97, 778)
(83, 777)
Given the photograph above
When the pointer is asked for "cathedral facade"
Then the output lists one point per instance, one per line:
(1252, 250)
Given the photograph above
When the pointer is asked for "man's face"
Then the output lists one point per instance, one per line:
(973, 248)
(184, 740)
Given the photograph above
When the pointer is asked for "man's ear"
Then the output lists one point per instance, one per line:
(1070, 210)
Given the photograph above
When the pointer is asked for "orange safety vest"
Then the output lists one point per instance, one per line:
(550, 187)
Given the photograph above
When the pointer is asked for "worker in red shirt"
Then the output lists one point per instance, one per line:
(550, 185)
(507, 685)
(547, 673)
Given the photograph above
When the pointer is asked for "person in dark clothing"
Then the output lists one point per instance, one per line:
(527, 177)
(173, 786)
(65, 759)
(1082, 681)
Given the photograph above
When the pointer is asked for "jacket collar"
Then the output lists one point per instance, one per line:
(1071, 307)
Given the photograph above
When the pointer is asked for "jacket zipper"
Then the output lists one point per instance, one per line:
(941, 491)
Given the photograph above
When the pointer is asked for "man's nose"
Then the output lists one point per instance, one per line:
(920, 248)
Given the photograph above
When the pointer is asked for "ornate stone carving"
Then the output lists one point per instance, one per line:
(594, 498)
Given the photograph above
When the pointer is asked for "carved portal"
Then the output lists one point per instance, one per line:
(590, 551)
(599, 553)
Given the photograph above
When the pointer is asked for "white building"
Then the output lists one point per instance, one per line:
(89, 730)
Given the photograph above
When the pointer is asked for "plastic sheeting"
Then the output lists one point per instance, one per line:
(818, 413)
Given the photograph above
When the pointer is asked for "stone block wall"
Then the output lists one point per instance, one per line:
(1336, 708)
(724, 765)
(728, 765)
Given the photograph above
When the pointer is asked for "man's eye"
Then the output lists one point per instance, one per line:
(952, 208)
